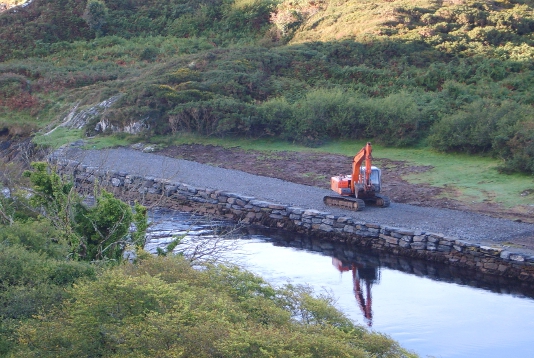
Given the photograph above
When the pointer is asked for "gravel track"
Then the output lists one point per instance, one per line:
(468, 226)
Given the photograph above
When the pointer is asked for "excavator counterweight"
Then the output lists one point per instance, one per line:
(361, 188)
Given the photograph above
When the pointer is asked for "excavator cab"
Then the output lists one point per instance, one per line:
(375, 177)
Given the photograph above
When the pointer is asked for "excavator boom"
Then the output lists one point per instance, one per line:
(363, 155)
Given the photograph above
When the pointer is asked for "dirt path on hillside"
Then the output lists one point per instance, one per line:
(316, 168)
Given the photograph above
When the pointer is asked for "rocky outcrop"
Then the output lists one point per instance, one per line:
(80, 118)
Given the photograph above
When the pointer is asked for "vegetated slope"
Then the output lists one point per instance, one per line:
(157, 306)
(455, 74)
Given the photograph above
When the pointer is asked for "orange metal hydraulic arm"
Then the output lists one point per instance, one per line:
(363, 154)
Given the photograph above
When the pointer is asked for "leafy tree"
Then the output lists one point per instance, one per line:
(94, 232)
(96, 14)
(56, 200)
(103, 229)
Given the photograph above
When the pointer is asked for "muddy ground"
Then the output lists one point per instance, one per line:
(316, 169)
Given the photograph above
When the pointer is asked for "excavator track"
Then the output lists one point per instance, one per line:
(382, 201)
(349, 203)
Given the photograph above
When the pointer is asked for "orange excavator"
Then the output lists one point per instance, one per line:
(359, 188)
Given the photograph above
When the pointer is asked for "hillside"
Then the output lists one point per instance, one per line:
(454, 75)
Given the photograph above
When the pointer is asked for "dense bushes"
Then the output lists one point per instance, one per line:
(325, 114)
(48, 21)
(30, 279)
(162, 307)
(255, 92)
(37, 236)
(504, 130)
(39, 254)
(97, 233)
(34, 29)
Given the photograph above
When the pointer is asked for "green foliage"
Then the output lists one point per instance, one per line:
(56, 198)
(140, 220)
(99, 232)
(95, 14)
(43, 21)
(149, 54)
(36, 236)
(162, 307)
(104, 228)
(301, 70)
(30, 280)
(170, 247)
(37, 28)
(12, 84)
(324, 114)
(304, 307)
(505, 131)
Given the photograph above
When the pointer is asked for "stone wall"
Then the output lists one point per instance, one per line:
(322, 225)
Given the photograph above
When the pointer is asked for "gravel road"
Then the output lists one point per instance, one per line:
(468, 226)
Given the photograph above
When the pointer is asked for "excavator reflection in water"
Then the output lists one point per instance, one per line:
(363, 277)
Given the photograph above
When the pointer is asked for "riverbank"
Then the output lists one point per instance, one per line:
(393, 294)
(461, 238)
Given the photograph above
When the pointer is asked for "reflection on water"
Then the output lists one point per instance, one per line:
(432, 309)
(363, 278)
(369, 263)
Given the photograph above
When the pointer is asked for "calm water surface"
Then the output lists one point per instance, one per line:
(430, 309)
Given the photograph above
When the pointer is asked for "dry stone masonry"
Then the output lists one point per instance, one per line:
(322, 225)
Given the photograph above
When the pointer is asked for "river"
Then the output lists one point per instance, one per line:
(431, 309)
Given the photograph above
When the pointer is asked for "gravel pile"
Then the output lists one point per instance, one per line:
(474, 227)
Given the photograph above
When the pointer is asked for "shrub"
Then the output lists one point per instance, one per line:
(35, 236)
(96, 14)
(31, 274)
(395, 120)
(100, 232)
(504, 130)
(149, 53)
(328, 114)
(160, 306)
(31, 282)
(273, 117)
(513, 141)
(467, 130)
(321, 114)
(219, 116)
(12, 84)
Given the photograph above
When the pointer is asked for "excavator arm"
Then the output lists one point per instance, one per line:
(363, 155)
